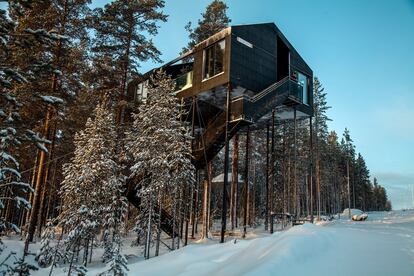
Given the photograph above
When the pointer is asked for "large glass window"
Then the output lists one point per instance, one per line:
(182, 72)
(213, 60)
(303, 81)
(184, 81)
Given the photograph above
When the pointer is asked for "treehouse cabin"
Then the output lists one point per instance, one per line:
(250, 70)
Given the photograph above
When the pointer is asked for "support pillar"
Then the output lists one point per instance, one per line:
(295, 152)
(234, 182)
(267, 179)
(311, 167)
(272, 171)
(246, 182)
(205, 205)
(188, 214)
(226, 169)
(194, 205)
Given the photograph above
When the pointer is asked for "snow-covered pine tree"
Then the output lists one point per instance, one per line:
(62, 18)
(159, 143)
(92, 190)
(48, 252)
(13, 133)
(114, 225)
(214, 19)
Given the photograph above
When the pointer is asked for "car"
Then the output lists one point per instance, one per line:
(360, 217)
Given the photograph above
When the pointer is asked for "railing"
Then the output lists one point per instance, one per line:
(218, 122)
(287, 88)
(262, 93)
(296, 91)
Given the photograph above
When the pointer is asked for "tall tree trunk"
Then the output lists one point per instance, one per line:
(36, 196)
(174, 221)
(148, 236)
(160, 200)
(125, 69)
(50, 204)
(26, 215)
(45, 187)
(49, 115)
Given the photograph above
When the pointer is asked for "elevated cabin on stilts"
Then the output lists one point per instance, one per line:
(243, 77)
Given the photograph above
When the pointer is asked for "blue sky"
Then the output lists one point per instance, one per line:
(362, 51)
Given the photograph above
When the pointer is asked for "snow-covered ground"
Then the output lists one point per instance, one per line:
(382, 245)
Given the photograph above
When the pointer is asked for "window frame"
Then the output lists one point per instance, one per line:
(307, 87)
(203, 71)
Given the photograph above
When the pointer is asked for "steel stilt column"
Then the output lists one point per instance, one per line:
(272, 171)
(267, 180)
(246, 182)
(226, 169)
(311, 167)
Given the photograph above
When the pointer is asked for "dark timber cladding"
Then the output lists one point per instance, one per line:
(261, 55)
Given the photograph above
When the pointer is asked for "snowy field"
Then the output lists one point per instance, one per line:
(382, 245)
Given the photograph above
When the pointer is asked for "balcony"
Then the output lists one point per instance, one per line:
(287, 92)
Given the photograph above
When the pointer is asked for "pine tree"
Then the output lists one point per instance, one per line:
(93, 189)
(363, 189)
(214, 19)
(114, 222)
(320, 134)
(15, 41)
(348, 156)
(66, 59)
(123, 40)
(333, 160)
(161, 154)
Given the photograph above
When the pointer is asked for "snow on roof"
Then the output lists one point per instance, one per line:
(220, 178)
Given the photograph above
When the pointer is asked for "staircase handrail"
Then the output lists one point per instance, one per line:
(264, 92)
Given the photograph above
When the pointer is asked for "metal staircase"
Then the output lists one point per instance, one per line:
(166, 219)
(244, 110)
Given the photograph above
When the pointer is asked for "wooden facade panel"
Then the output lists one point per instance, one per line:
(200, 85)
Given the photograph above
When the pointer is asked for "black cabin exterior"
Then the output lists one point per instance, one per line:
(255, 66)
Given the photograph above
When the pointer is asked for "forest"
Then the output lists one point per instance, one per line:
(69, 156)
